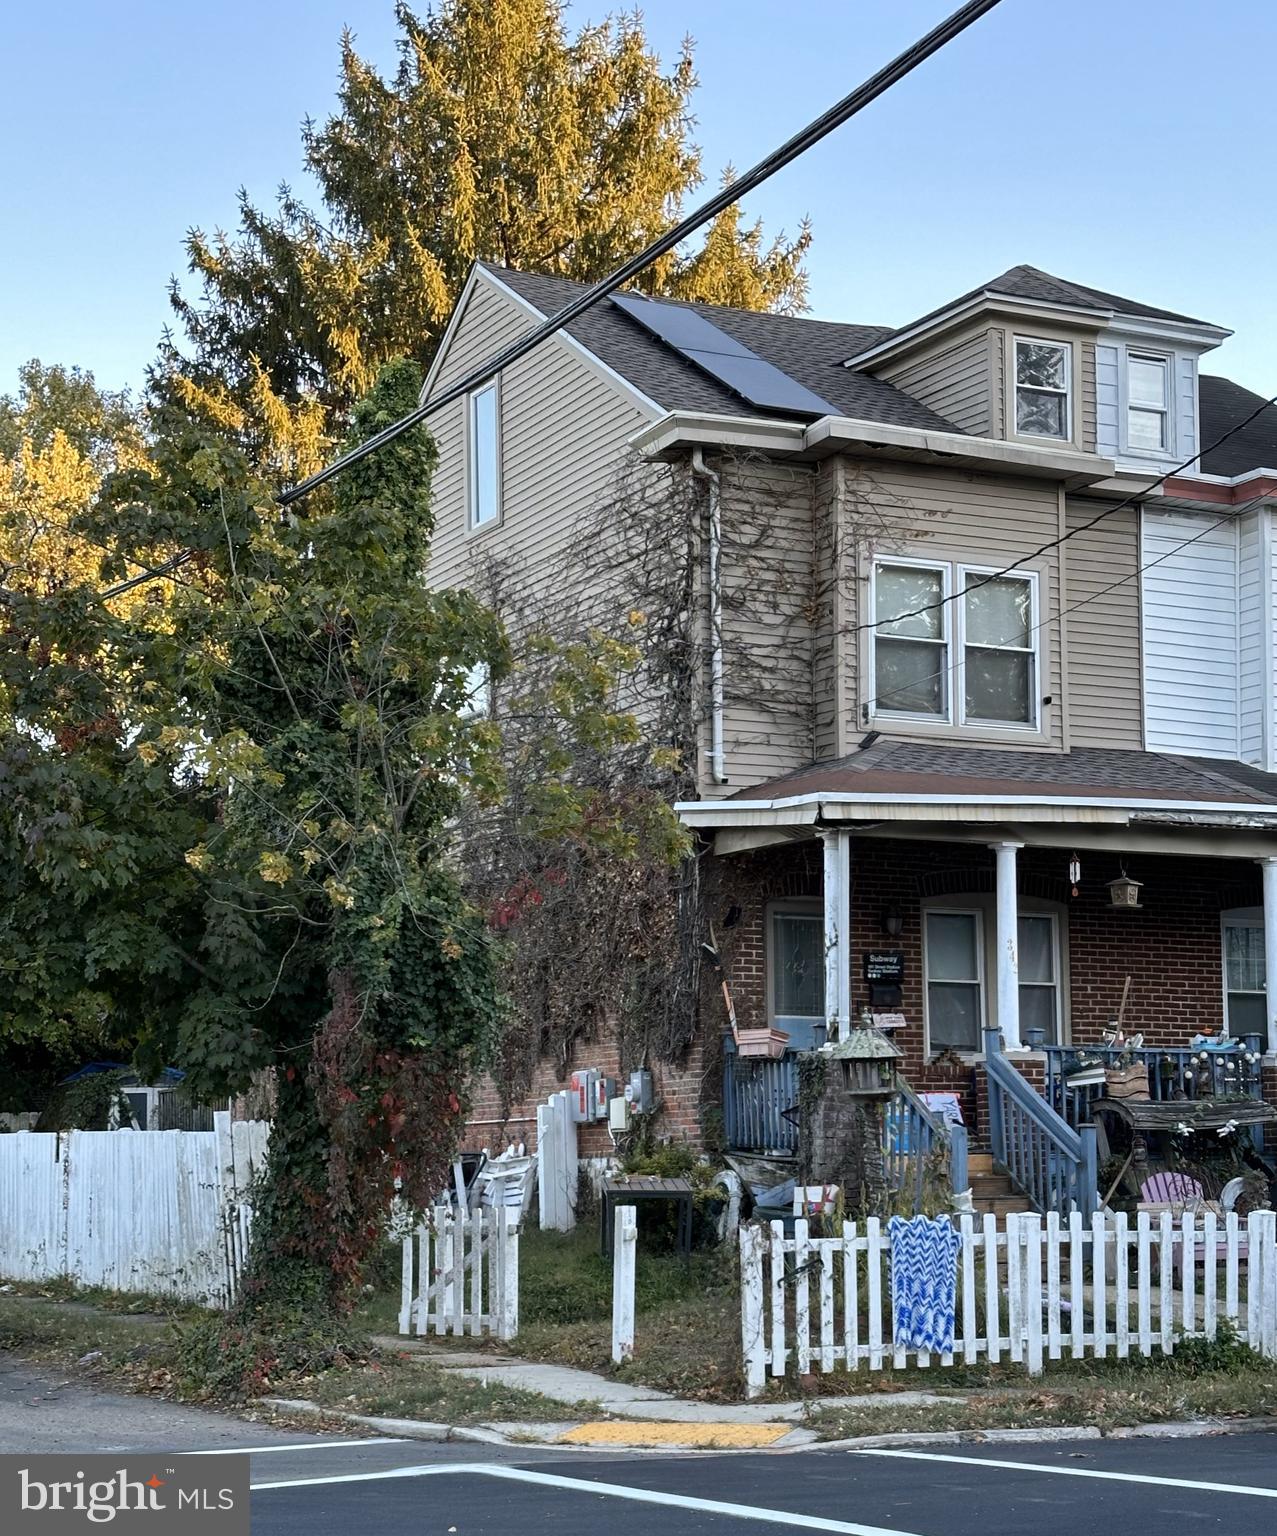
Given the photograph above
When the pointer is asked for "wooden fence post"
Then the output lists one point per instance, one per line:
(753, 1340)
(623, 1253)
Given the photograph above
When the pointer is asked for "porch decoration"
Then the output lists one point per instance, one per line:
(1124, 893)
(1075, 874)
(924, 1282)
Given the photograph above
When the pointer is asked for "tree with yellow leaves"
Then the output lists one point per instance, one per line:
(500, 137)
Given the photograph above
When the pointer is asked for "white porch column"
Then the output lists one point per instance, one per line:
(837, 932)
(1008, 956)
(1269, 867)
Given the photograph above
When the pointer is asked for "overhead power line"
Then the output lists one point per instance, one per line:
(855, 101)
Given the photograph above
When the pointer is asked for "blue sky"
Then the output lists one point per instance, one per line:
(1122, 143)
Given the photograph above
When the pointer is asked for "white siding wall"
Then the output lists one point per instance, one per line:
(1191, 634)
(1254, 637)
(1107, 424)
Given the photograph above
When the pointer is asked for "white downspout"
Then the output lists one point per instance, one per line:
(714, 483)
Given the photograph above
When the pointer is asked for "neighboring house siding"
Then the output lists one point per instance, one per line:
(956, 382)
(1111, 406)
(1087, 394)
(1103, 637)
(830, 638)
(980, 520)
(1190, 622)
(563, 438)
(1253, 635)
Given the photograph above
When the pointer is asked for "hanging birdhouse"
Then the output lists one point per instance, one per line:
(867, 1062)
(1124, 893)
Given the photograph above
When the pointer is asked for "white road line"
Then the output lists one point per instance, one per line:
(310, 1445)
(1112, 1477)
(601, 1490)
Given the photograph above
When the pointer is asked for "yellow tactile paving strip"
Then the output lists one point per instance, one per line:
(639, 1433)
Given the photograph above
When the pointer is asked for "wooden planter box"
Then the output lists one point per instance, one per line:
(761, 1042)
(1127, 1082)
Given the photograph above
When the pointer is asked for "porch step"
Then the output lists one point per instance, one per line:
(979, 1162)
(1001, 1205)
(993, 1194)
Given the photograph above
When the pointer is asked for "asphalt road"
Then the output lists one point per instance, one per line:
(332, 1486)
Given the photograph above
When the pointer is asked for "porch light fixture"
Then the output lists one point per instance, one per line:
(1124, 893)
(892, 922)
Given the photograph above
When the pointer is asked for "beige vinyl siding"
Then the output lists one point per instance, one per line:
(563, 438)
(979, 520)
(1086, 393)
(1103, 637)
(956, 381)
(767, 588)
(829, 639)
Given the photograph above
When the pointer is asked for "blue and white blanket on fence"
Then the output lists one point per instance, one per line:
(924, 1282)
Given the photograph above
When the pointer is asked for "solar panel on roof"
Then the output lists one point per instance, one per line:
(724, 358)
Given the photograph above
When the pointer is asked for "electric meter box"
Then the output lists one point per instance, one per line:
(584, 1085)
(639, 1092)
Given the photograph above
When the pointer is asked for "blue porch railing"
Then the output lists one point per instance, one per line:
(912, 1134)
(757, 1092)
(1053, 1163)
(1172, 1074)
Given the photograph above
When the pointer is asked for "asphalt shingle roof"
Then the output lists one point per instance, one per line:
(809, 351)
(813, 352)
(904, 767)
(1223, 405)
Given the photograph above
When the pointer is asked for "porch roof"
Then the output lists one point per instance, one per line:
(911, 780)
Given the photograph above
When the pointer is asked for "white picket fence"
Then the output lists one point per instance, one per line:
(461, 1273)
(557, 1164)
(1029, 1289)
(162, 1212)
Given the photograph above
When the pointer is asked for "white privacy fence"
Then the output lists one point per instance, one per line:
(1028, 1289)
(557, 1163)
(461, 1273)
(163, 1212)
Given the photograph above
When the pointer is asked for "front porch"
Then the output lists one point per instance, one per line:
(994, 936)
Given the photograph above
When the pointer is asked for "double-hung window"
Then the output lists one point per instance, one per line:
(485, 455)
(998, 654)
(954, 960)
(970, 661)
(1148, 399)
(955, 980)
(911, 640)
(1043, 387)
(1245, 976)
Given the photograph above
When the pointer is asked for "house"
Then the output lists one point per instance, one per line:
(987, 699)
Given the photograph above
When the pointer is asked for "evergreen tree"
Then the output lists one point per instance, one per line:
(498, 137)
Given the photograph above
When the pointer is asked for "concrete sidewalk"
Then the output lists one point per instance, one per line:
(619, 1413)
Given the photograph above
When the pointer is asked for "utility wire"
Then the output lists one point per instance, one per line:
(856, 101)
(1136, 498)
(1230, 516)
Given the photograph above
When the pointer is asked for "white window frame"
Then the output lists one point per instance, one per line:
(944, 569)
(474, 523)
(953, 581)
(774, 909)
(1167, 360)
(940, 910)
(1033, 651)
(1241, 917)
(1062, 346)
(983, 905)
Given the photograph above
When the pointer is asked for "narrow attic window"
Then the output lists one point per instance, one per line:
(1042, 388)
(484, 456)
(1148, 402)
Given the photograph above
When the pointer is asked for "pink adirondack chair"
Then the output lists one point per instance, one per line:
(1178, 1189)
